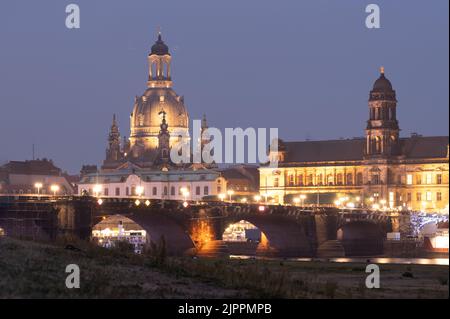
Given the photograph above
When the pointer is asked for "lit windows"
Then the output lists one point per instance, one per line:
(409, 179)
(438, 196)
(429, 196)
(428, 178)
(439, 179)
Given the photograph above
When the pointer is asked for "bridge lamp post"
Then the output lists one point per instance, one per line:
(97, 190)
(140, 190)
(302, 198)
(296, 201)
(54, 189)
(230, 193)
(38, 187)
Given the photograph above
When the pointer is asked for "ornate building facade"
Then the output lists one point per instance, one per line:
(141, 165)
(381, 169)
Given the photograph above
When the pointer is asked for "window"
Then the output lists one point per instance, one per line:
(155, 191)
(428, 178)
(219, 189)
(349, 179)
(375, 179)
(409, 179)
(106, 191)
(439, 179)
(127, 191)
(197, 190)
(172, 191)
(276, 182)
(419, 179)
(419, 197)
(206, 190)
(117, 191)
(133, 190)
(319, 179)
(429, 196)
(310, 179)
(165, 191)
(300, 180)
(438, 196)
(291, 180)
(339, 179)
(408, 197)
(359, 179)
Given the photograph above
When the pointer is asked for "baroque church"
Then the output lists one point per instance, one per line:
(381, 169)
(141, 165)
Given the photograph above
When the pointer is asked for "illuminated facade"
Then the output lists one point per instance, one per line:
(381, 169)
(141, 165)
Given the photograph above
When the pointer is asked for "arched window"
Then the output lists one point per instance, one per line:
(359, 179)
(349, 179)
(172, 191)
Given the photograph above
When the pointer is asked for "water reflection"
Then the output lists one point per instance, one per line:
(381, 260)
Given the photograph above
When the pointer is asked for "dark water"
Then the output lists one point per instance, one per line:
(377, 260)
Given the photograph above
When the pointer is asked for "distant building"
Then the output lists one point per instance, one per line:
(381, 169)
(22, 177)
(243, 180)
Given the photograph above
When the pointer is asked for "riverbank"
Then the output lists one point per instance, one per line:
(37, 270)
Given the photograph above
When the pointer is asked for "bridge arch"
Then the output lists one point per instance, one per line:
(156, 227)
(280, 236)
(361, 238)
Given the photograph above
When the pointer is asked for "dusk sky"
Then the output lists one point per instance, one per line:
(305, 67)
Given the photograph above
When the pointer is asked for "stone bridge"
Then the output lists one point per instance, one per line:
(287, 231)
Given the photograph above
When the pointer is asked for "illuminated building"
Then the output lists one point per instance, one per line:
(381, 169)
(158, 121)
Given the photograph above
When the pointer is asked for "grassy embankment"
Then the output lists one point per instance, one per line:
(37, 270)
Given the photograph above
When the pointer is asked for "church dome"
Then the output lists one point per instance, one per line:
(146, 118)
(160, 48)
(382, 84)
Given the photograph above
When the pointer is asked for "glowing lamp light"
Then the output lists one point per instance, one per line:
(137, 202)
(54, 189)
(296, 200)
(147, 203)
(351, 205)
(383, 202)
(97, 189)
(100, 201)
(38, 186)
(244, 200)
(139, 190)
(358, 199)
(185, 204)
(222, 197)
(375, 207)
(257, 198)
(261, 208)
(337, 203)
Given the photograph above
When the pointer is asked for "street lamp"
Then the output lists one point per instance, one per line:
(230, 193)
(222, 196)
(296, 200)
(303, 197)
(244, 200)
(38, 186)
(139, 190)
(185, 193)
(54, 189)
(257, 198)
(97, 190)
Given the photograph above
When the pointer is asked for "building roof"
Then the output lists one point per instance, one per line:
(33, 167)
(413, 147)
(325, 151)
(418, 146)
(120, 176)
